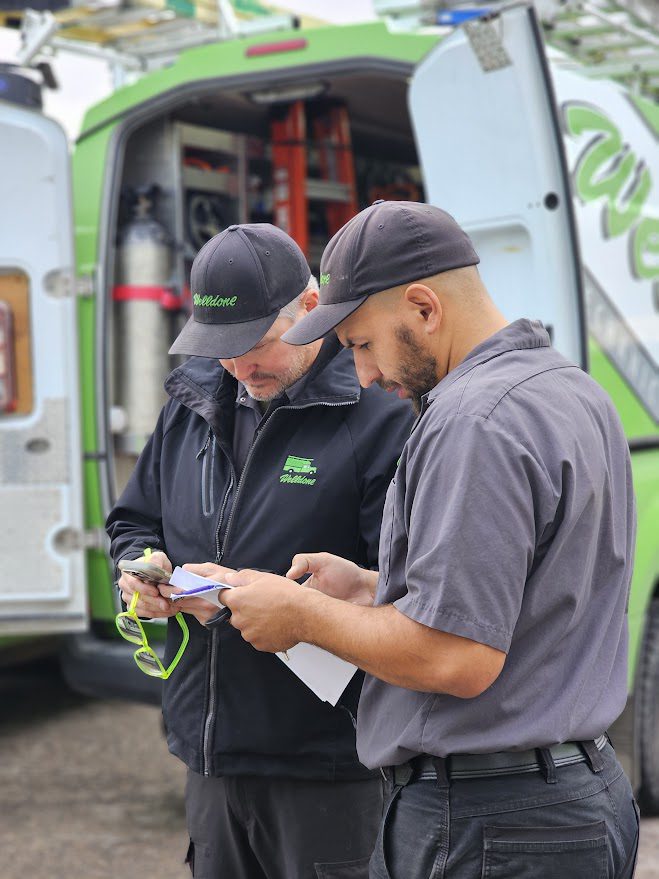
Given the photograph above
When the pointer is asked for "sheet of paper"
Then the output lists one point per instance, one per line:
(322, 672)
(194, 585)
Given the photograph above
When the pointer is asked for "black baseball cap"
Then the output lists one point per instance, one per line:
(386, 244)
(240, 280)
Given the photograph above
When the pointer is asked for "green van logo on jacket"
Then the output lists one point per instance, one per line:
(297, 471)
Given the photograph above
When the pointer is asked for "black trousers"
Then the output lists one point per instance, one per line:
(281, 828)
(582, 825)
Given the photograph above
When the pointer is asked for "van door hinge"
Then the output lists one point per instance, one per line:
(69, 540)
(62, 284)
(85, 286)
(487, 44)
(58, 283)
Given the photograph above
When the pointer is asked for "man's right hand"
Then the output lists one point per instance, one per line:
(151, 603)
(335, 576)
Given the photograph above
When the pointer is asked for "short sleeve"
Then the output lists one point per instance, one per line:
(470, 514)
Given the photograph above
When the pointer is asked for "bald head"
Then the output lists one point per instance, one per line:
(462, 286)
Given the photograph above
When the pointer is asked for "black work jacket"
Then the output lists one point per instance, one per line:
(314, 480)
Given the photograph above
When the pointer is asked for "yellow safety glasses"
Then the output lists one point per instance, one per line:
(130, 627)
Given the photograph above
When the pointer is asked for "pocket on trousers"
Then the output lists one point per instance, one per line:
(189, 858)
(378, 860)
(574, 852)
(198, 860)
(630, 866)
(357, 869)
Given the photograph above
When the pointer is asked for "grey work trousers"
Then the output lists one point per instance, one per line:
(582, 826)
(281, 828)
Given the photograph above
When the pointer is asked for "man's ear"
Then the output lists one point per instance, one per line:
(309, 300)
(425, 306)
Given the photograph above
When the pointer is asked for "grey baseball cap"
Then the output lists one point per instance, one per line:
(386, 244)
(240, 280)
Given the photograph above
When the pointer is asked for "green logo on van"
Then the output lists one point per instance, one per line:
(609, 172)
(324, 279)
(214, 301)
(298, 471)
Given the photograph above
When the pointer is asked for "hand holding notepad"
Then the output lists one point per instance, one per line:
(325, 674)
(195, 586)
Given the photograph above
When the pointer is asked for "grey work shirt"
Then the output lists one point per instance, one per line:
(511, 522)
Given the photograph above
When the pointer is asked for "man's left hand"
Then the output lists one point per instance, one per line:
(264, 609)
(200, 608)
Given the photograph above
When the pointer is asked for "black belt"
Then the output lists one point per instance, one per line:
(499, 763)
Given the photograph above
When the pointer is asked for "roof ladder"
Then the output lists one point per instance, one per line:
(335, 188)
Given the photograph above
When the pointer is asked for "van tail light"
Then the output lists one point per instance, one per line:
(274, 48)
(7, 360)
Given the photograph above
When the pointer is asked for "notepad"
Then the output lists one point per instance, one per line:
(196, 586)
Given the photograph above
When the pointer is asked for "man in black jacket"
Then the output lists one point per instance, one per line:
(268, 452)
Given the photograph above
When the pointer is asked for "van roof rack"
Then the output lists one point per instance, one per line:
(613, 39)
(135, 36)
(617, 39)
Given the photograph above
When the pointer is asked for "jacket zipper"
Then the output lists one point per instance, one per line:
(214, 645)
(207, 473)
(202, 450)
(220, 547)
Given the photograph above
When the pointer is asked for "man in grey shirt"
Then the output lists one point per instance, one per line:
(496, 649)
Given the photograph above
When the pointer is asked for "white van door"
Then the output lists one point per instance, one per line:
(491, 152)
(42, 571)
(611, 146)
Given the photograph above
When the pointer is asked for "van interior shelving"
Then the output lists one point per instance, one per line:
(208, 163)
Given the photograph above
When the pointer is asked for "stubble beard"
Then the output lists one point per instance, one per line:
(284, 379)
(417, 371)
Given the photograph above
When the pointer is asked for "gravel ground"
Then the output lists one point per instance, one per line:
(89, 790)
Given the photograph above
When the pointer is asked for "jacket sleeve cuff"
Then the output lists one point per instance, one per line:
(129, 556)
(220, 617)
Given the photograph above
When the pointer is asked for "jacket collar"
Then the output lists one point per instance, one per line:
(206, 388)
(331, 379)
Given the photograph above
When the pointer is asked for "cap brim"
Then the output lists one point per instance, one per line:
(318, 322)
(221, 341)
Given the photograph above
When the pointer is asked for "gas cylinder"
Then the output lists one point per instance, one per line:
(142, 320)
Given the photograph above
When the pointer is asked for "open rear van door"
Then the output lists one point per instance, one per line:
(491, 151)
(42, 574)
